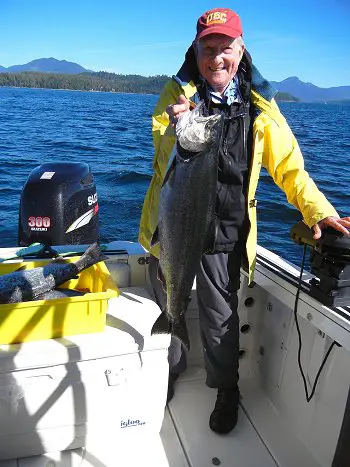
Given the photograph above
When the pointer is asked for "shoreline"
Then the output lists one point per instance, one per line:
(79, 90)
(342, 102)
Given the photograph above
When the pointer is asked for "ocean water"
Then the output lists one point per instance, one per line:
(112, 133)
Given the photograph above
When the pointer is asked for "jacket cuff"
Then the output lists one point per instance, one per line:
(319, 216)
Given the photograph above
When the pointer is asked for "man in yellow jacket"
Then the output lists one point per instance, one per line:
(218, 70)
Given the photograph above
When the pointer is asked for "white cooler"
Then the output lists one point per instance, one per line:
(64, 393)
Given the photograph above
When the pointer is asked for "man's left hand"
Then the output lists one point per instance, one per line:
(337, 223)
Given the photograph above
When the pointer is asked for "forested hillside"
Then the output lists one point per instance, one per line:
(100, 81)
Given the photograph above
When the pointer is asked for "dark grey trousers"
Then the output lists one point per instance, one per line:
(218, 280)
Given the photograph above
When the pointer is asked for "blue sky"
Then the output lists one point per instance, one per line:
(309, 39)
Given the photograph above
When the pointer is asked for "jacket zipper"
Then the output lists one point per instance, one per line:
(244, 140)
(225, 150)
(246, 109)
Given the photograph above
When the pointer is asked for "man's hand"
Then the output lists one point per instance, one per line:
(176, 110)
(337, 223)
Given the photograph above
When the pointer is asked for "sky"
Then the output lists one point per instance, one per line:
(308, 39)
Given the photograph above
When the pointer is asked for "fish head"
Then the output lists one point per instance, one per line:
(196, 131)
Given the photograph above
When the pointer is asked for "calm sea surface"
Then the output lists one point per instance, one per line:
(112, 133)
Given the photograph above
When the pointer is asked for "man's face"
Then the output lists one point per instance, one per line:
(218, 57)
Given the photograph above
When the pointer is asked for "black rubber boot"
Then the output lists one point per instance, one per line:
(224, 417)
(172, 378)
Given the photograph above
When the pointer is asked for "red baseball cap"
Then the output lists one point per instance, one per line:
(219, 21)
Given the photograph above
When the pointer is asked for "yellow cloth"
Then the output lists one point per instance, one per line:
(274, 147)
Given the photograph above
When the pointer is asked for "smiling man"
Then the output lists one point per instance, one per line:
(218, 70)
(218, 57)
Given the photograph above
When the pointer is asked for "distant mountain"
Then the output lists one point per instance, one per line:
(46, 65)
(308, 92)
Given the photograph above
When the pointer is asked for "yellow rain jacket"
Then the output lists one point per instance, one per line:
(274, 147)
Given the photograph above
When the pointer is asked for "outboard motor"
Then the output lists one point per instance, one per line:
(330, 263)
(59, 205)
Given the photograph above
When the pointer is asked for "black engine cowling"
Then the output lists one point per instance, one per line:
(59, 205)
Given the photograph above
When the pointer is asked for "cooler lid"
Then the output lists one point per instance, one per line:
(130, 317)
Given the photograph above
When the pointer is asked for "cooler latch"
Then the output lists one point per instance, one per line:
(115, 378)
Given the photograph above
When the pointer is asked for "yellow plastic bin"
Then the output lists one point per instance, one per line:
(46, 319)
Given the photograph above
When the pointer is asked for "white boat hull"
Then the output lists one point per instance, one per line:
(276, 424)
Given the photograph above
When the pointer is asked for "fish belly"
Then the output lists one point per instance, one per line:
(186, 215)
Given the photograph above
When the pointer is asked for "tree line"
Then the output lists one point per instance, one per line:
(95, 81)
(100, 81)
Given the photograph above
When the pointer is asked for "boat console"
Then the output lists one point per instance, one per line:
(330, 264)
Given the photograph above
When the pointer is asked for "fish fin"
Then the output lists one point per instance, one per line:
(95, 252)
(91, 256)
(161, 278)
(164, 325)
(155, 237)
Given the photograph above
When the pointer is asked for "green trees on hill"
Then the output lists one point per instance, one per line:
(285, 96)
(100, 81)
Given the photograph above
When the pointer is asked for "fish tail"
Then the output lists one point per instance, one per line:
(164, 325)
(91, 256)
(180, 331)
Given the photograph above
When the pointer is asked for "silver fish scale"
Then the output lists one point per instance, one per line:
(28, 284)
(187, 207)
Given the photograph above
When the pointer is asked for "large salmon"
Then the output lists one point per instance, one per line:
(30, 284)
(186, 214)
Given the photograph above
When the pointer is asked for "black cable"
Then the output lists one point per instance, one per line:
(308, 397)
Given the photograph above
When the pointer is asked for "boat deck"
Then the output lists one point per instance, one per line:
(276, 426)
(188, 440)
